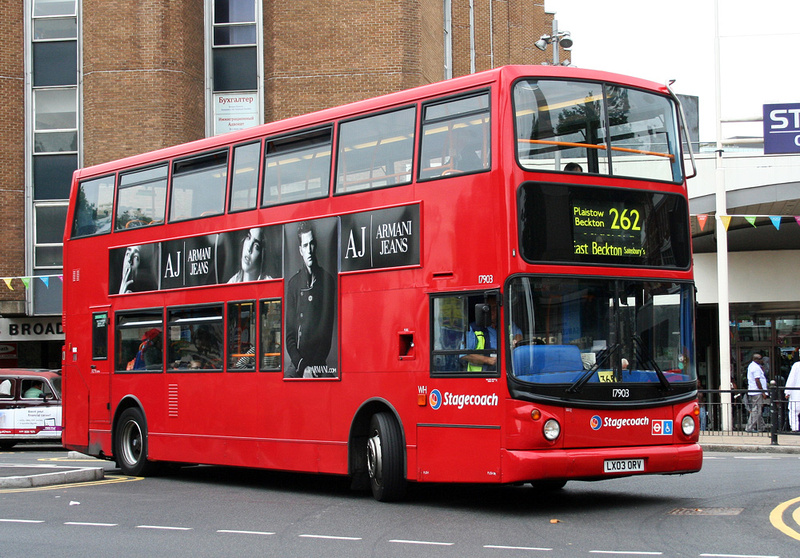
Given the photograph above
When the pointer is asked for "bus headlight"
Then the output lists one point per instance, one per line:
(687, 425)
(552, 429)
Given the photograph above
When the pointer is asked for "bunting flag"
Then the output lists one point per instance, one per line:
(26, 281)
(701, 220)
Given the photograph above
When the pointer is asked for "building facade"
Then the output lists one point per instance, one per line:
(89, 81)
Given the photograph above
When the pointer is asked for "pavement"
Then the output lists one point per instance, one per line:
(37, 474)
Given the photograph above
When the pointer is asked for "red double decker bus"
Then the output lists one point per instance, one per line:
(483, 280)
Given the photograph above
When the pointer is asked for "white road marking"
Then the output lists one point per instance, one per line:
(331, 537)
(164, 527)
(403, 541)
(503, 547)
(237, 532)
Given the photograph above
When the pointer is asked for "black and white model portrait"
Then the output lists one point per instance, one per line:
(253, 256)
(311, 250)
(135, 271)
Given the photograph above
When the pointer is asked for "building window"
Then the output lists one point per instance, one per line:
(54, 144)
(234, 64)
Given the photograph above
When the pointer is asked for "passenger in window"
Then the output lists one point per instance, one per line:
(34, 391)
(485, 339)
(208, 342)
(251, 263)
(467, 143)
(149, 354)
(573, 167)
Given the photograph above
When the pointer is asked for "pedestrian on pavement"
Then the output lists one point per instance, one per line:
(756, 391)
(793, 395)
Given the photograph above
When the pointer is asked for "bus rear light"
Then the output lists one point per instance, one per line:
(536, 414)
(552, 429)
(688, 425)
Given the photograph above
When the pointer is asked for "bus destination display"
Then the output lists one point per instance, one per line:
(607, 229)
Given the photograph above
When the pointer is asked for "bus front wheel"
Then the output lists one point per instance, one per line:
(130, 449)
(385, 458)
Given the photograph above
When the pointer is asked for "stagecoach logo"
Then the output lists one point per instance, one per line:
(597, 422)
(460, 400)
(435, 399)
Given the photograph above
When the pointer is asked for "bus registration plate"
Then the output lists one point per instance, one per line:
(623, 465)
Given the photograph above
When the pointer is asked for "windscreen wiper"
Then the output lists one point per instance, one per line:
(644, 355)
(602, 357)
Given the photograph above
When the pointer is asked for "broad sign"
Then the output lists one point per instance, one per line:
(782, 128)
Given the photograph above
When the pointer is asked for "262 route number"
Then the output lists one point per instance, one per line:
(627, 220)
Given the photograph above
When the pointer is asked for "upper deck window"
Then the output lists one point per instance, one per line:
(244, 179)
(198, 186)
(376, 151)
(456, 137)
(142, 198)
(297, 167)
(597, 128)
(94, 207)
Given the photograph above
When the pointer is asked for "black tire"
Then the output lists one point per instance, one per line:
(7, 444)
(130, 444)
(385, 458)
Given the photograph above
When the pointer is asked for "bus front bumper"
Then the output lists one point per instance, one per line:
(600, 463)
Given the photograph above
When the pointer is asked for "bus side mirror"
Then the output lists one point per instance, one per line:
(483, 315)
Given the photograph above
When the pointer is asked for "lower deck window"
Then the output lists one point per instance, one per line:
(195, 338)
(140, 342)
(270, 358)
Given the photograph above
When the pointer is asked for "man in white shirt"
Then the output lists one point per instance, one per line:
(793, 395)
(756, 390)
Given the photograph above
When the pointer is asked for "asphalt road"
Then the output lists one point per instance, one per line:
(738, 505)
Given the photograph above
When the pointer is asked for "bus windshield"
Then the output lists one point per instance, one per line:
(587, 330)
(599, 128)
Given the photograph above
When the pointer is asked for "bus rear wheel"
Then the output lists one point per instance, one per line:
(130, 449)
(385, 458)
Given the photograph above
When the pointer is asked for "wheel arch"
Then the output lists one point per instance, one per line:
(359, 432)
(127, 402)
